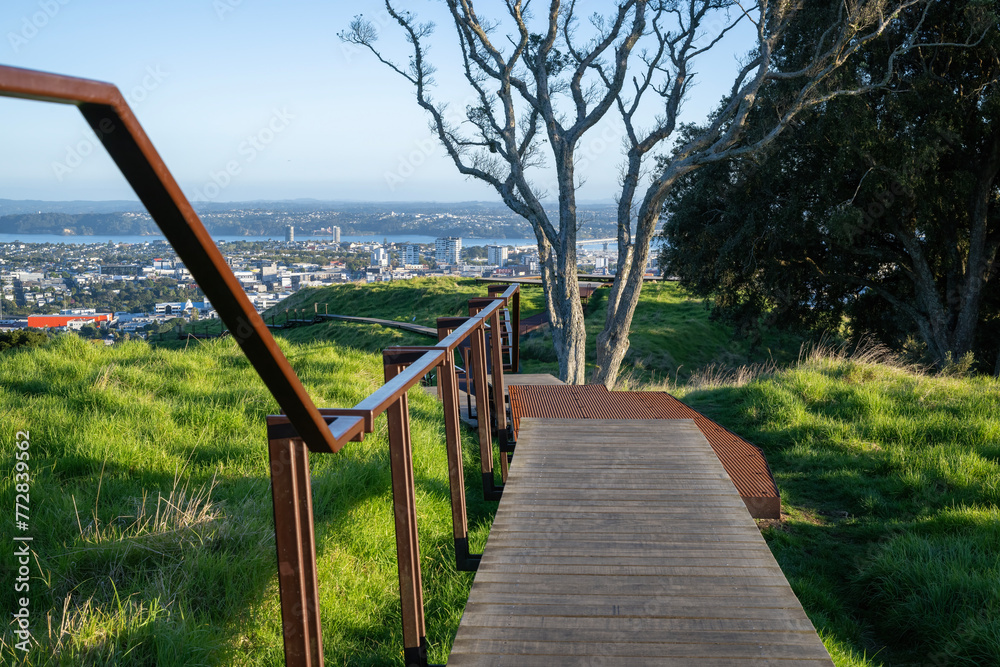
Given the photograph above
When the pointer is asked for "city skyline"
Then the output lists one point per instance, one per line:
(248, 102)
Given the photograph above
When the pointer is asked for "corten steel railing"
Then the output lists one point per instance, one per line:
(107, 112)
(302, 428)
(476, 383)
(497, 399)
(511, 325)
(294, 528)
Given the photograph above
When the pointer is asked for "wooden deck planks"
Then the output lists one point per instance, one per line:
(625, 542)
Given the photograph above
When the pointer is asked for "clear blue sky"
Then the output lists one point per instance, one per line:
(204, 76)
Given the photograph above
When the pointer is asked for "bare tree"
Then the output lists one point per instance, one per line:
(549, 80)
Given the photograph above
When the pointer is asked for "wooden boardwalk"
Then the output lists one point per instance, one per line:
(625, 542)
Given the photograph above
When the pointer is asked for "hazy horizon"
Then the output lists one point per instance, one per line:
(332, 123)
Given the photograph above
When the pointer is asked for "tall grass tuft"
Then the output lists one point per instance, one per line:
(890, 480)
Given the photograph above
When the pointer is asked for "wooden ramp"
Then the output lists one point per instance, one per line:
(625, 542)
(744, 462)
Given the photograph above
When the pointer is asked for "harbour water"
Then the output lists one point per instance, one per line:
(402, 238)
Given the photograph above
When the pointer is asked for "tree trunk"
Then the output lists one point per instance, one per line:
(569, 336)
(612, 342)
(633, 253)
(950, 313)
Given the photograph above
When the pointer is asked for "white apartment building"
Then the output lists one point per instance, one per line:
(411, 254)
(496, 255)
(380, 257)
(447, 250)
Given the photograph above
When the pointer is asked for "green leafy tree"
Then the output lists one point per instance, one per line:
(882, 208)
(22, 338)
(89, 331)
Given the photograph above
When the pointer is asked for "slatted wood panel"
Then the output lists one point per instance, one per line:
(624, 542)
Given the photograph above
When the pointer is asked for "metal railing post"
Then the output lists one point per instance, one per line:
(295, 540)
(404, 507)
(456, 474)
(511, 294)
(499, 401)
(490, 489)
(447, 375)
(515, 310)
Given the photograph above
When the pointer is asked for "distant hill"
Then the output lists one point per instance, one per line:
(69, 224)
(474, 219)
(22, 206)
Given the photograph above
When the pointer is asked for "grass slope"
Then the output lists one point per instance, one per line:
(891, 482)
(420, 300)
(672, 337)
(151, 511)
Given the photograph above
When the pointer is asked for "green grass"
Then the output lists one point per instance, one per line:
(151, 511)
(891, 482)
(672, 337)
(420, 300)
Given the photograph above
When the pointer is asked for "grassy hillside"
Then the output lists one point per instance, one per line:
(672, 337)
(421, 300)
(891, 482)
(151, 514)
(151, 509)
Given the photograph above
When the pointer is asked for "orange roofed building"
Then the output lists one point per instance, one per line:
(49, 321)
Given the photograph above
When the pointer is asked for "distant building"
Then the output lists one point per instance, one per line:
(496, 255)
(336, 234)
(411, 254)
(447, 250)
(380, 257)
(289, 234)
(119, 269)
(47, 321)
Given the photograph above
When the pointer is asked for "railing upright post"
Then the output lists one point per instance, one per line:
(295, 540)
(499, 402)
(448, 385)
(490, 490)
(515, 343)
(405, 516)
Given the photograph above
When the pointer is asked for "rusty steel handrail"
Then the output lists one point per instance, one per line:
(290, 482)
(110, 116)
(513, 299)
(303, 427)
(495, 351)
(455, 330)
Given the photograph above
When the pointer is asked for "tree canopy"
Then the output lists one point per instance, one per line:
(541, 80)
(881, 210)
